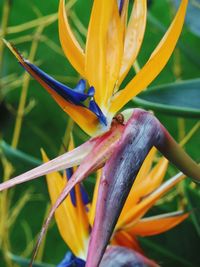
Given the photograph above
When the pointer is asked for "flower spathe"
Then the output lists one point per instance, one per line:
(112, 46)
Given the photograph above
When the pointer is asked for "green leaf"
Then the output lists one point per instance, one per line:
(12, 153)
(179, 99)
(23, 262)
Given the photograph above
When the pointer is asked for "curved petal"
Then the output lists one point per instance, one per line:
(114, 52)
(155, 64)
(124, 14)
(95, 65)
(70, 45)
(139, 210)
(124, 239)
(157, 224)
(82, 116)
(68, 216)
(140, 182)
(149, 184)
(133, 36)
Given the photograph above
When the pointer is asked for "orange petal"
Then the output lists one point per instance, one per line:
(124, 15)
(68, 217)
(70, 45)
(157, 224)
(124, 239)
(134, 36)
(156, 176)
(95, 66)
(150, 182)
(146, 167)
(155, 64)
(87, 121)
(139, 210)
(114, 52)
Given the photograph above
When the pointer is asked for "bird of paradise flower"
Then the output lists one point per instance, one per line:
(75, 216)
(112, 46)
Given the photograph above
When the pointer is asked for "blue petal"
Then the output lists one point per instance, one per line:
(72, 192)
(71, 261)
(84, 194)
(121, 3)
(74, 96)
(96, 110)
(80, 86)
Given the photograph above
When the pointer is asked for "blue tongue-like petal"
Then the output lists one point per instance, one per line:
(80, 87)
(120, 4)
(96, 110)
(76, 96)
(71, 261)
(84, 194)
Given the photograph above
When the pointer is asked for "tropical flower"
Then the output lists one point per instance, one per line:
(122, 140)
(75, 216)
(111, 48)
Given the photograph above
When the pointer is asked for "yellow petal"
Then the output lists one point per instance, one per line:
(124, 15)
(157, 224)
(72, 221)
(82, 116)
(146, 167)
(140, 209)
(114, 51)
(134, 36)
(156, 176)
(150, 182)
(137, 188)
(94, 199)
(71, 143)
(70, 45)
(82, 222)
(95, 67)
(155, 64)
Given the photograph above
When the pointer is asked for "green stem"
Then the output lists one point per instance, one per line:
(25, 86)
(4, 24)
(68, 131)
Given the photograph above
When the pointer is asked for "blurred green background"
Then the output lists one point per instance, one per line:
(32, 27)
